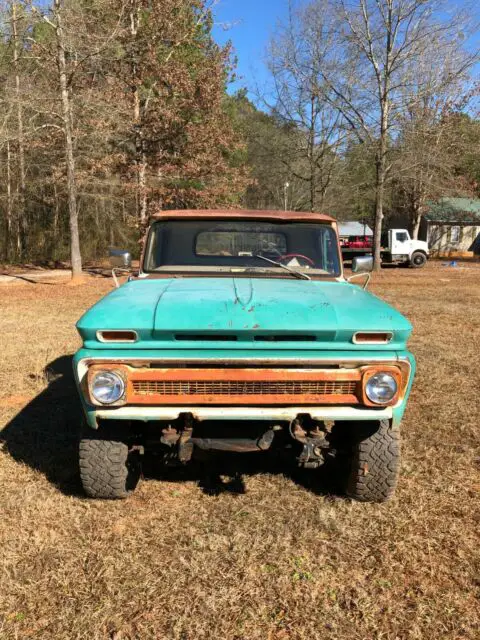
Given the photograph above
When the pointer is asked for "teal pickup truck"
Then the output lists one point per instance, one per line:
(240, 333)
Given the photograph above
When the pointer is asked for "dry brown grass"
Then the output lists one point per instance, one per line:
(281, 561)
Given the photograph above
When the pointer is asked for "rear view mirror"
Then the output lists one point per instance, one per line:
(120, 259)
(362, 264)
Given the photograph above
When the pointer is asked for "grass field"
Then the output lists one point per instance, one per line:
(283, 560)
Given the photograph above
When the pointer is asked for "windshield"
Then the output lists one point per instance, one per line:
(281, 248)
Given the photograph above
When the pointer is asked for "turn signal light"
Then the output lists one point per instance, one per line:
(366, 337)
(117, 336)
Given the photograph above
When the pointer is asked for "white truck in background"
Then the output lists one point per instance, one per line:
(397, 248)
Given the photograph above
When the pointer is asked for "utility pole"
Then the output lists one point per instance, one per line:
(285, 192)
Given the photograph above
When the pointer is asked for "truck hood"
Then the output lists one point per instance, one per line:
(243, 310)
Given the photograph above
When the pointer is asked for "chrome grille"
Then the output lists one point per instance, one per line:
(242, 388)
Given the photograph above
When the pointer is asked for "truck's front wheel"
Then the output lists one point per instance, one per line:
(109, 469)
(375, 464)
(418, 260)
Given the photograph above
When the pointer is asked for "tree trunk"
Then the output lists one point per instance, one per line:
(379, 200)
(76, 256)
(142, 180)
(311, 154)
(417, 219)
(381, 170)
(56, 217)
(9, 218)
(140, 155)
(22, 220)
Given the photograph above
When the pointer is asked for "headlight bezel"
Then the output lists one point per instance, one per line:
(119, 380)
(395, 373)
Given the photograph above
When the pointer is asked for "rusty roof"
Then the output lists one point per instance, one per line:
(241, 214)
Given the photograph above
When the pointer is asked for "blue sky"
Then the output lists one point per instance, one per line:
(251, 25)
(252, 22)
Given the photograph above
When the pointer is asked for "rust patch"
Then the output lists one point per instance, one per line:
(171, 386)
(263, 386)
(243, 214)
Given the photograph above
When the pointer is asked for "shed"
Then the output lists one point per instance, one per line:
(452, 225)
(354, 228)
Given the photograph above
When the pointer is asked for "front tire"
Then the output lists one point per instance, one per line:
(108, 468)
(375, 465)
(418, 260)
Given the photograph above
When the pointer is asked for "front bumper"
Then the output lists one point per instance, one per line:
(283, 414)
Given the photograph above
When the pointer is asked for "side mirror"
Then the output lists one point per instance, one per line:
(362, 264)
(120, 259)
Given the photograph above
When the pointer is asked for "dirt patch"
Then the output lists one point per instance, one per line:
(13, 401)
(32, 276)
(271, 553)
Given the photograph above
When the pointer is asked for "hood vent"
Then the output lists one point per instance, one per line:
(211, 337)
(285, 338)
(216, 337)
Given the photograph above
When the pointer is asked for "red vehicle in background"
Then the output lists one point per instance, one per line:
(357, 242)
(353, 246)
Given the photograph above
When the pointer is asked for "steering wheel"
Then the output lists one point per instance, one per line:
(288, 256)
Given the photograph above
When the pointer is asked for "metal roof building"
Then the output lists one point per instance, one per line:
(454, 211)
(452, 225)
(354, 228)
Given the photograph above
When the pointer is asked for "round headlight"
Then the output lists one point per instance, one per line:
(107, 387)
(381, 388)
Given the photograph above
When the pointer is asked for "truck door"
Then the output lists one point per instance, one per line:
(400, 240)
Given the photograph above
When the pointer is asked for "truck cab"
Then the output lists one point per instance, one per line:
(399, 248)
(240, 333)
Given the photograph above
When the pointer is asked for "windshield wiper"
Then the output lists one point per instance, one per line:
(297, 274)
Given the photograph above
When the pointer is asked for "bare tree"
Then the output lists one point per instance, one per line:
(13, 127)
(76, 256)
(55, 19)
(426, 150)
(373, 74)
(296, 55)
(74, 56)
(17, 48)
(72, 137)
(141, 164)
